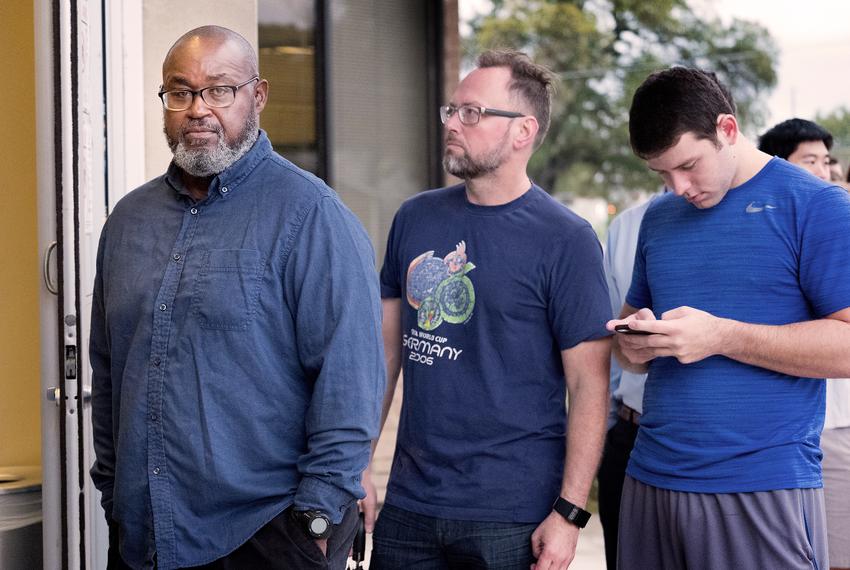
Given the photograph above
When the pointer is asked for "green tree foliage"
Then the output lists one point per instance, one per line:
(837, 123)
(602, 50)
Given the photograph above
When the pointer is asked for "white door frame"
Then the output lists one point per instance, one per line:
(86, 163)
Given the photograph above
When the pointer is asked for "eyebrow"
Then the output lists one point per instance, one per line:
(680, 165)
(182, 80)
(467, 103)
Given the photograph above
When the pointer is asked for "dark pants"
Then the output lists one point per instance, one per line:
(408, 541)
(280, 545)
(612, 471)
(114, 560)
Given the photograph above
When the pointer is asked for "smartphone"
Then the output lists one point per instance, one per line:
(626, 330)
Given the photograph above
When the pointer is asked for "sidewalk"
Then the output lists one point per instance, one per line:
(590, 552)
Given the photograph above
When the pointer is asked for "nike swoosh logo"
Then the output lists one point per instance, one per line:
(753, 209)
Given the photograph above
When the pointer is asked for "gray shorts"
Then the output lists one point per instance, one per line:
(663, 529)
(836, 493)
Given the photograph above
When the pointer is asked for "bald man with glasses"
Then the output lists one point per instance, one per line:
(235, 343)
(494, 302)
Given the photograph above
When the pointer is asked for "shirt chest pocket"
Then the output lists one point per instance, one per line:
(227, 287)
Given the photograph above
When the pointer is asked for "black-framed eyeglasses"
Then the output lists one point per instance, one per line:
(470, 114)
(213, 96)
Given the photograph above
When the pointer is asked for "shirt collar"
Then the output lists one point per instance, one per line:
(229, 180)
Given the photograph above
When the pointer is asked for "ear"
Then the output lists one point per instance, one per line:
(727, 127)
(261, 94)
(527, 132)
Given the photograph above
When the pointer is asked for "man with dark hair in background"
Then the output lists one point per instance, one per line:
(493, 293)
(741, 289)
(800, 142)
(235, 341)
(807, 145)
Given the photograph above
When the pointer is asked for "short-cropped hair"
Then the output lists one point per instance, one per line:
(532, 82)
(673, 102)
(783, 139)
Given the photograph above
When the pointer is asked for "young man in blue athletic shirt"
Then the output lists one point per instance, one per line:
(742, 277)
(493, 292)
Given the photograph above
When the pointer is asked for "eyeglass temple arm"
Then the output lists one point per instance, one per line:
(499, 113)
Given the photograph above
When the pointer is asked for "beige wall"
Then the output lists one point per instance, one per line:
(20, 391)
(164, 22)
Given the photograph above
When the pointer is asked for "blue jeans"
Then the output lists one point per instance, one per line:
(405, 540)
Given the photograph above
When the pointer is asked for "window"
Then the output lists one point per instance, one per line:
(354, 91)
(287, 48)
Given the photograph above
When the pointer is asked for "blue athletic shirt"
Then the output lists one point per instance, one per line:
(490, 296)
(775, 250)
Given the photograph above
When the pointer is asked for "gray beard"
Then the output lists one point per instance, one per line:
(203, 162)
(467, 168)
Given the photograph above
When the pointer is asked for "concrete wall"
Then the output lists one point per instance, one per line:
(20, 391)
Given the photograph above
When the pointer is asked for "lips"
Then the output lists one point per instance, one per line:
(198, 126)
(453, 142)
(198, 135)
(698, 199)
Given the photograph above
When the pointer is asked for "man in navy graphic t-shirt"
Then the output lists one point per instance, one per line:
(495, 306)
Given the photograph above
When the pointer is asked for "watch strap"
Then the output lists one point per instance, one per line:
(573, 513)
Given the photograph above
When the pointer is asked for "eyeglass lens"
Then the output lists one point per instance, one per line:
(215, 96)
(467, 115)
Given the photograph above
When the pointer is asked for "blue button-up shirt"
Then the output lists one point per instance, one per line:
(237, 358)
(625, 387)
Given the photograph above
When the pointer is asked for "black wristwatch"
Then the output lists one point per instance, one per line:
(573, 513)
(315, 523)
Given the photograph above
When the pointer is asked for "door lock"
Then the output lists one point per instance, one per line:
(54, 394)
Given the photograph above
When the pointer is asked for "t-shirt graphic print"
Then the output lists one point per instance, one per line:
(439, 289)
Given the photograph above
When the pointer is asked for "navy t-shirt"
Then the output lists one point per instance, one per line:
(490, 296)
(775, 250)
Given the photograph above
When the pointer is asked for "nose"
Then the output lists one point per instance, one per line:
(198, 108)
(679, 184)
(822, 171)
(453, 122)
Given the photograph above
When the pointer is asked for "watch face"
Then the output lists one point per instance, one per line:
(318, 526)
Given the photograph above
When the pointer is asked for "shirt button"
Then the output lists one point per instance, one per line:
(194, 211)
(176, 257)
(163, 306)
(156, 470)
(153, 417)
(225, 190)
(156, 361)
